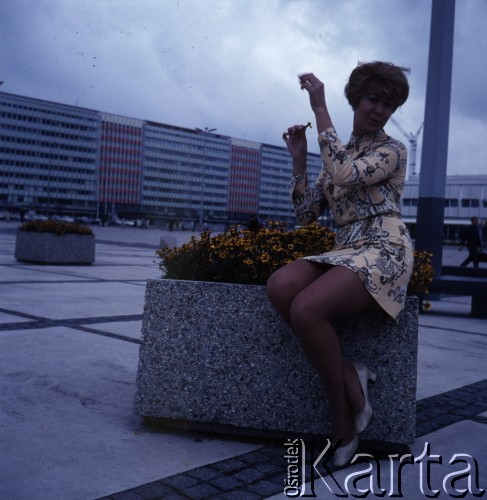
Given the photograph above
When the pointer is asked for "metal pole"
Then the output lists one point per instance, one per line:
(49, 175)
(207, 131)
(106, 191)
(202, 187)
(98, 181)
(432, 181)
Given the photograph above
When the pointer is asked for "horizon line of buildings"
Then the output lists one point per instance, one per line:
(63, 159)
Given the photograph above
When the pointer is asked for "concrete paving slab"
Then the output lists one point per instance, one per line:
(446, 359)
(150, 237)
(132, 329)
(125, 250)
(75, 300)
(113, 272)
(10, 318)
(456, 321)
(119, 260)
(37, 273)
(66, 419)
(133, 269)
(453, 313)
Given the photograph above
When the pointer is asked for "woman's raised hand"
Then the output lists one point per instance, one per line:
(295, 139)
(316, 91)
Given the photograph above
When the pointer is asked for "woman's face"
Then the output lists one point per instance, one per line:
(373, 111)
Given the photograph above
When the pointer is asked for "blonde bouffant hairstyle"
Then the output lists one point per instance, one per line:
(392, 79)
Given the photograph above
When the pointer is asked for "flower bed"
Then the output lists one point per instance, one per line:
(250, 257)
(52, 242)
(55, 227)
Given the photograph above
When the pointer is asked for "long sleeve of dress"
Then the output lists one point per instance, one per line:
(309, 201)
(355, 165)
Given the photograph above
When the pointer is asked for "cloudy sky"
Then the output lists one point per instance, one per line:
(233, 64)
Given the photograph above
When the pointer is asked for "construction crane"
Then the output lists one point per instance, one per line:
(413, 143)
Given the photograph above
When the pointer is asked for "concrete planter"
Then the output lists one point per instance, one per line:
(50, 248)
(217, 357)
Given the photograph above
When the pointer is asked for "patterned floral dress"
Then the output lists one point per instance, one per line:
(362, 183)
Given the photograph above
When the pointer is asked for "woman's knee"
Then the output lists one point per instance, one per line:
(304, 314)
(292, 277)
(278, 285)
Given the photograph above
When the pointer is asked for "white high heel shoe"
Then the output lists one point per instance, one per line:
(363, 418)
(344, 454)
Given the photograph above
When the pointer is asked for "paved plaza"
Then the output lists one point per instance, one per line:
(69, 342)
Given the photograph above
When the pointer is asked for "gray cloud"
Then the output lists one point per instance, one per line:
(233, 64)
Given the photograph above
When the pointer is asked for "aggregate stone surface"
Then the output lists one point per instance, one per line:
(218, 354)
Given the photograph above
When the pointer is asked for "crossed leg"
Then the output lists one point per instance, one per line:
(307, 295)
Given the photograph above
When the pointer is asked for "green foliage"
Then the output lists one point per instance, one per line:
(56, 227)
(250, 257)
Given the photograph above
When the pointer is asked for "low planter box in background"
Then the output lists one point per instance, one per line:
(217, 357)
(50, 248)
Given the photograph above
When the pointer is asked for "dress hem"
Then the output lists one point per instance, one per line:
(321, 259)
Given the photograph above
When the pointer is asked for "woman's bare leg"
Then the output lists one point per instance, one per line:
(288, 281)
(308, 298)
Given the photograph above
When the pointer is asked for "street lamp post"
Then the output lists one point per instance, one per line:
(50, 163)
(206, 130)
(107, 189)
(98, 181)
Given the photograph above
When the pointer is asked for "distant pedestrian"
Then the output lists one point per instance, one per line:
(254, 224)
(471, 238)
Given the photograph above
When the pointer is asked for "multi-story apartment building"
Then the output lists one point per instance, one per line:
(49, 154)
(57, 158)
(61, 159)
